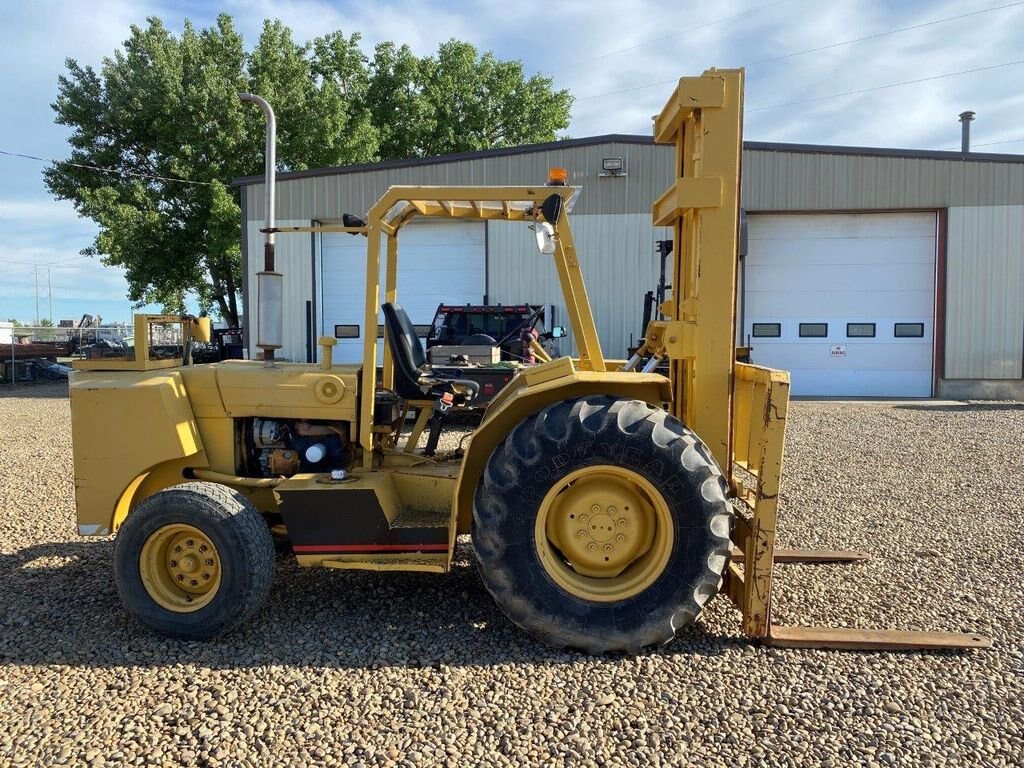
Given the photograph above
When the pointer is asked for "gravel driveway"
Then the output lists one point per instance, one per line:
(380, 669)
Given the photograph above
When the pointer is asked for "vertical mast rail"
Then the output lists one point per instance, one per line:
(704, 120)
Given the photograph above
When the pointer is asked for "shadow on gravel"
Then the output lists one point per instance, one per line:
(60, 606)
(961, 407)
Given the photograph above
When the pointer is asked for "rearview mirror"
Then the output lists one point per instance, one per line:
(545, 234)
(557, 332)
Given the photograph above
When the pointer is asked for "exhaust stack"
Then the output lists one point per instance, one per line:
(269, 282)
(965, 131)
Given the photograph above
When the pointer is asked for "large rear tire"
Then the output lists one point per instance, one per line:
(194, 561)
(602, 524)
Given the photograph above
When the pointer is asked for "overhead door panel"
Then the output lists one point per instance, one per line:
(845, 302)
(439, 262)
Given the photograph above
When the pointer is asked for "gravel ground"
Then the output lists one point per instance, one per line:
(359, 668)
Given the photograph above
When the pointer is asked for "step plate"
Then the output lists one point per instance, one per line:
(351, 518)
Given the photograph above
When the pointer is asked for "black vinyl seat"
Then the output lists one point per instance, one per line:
(414, 378)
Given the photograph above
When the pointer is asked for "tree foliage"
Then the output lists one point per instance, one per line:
(165, 107)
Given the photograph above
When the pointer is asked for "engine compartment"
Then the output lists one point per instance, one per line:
(285, 447)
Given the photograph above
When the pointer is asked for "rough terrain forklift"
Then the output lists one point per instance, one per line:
(607, 503)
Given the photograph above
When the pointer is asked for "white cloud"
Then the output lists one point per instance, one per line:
(45, 212)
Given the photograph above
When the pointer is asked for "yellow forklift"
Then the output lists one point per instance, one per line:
(607, 503)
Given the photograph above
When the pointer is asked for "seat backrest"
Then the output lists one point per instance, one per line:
(406, 350)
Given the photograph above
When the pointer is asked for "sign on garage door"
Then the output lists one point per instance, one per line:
(438, 261)
(845, 302)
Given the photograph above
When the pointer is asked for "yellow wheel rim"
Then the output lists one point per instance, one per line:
(604, 533)
(180, 568)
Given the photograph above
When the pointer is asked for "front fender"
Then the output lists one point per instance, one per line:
(124, 424)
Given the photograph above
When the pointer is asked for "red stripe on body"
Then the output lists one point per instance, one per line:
(338, 548)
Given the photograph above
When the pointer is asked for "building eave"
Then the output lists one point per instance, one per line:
(617, 138)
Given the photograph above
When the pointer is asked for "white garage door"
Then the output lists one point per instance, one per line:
(438, 261)
(845, 302)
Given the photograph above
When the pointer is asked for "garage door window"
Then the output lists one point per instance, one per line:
(767, 330)
(346, 331)
(908, 330)
(860, 330)
(813, 330)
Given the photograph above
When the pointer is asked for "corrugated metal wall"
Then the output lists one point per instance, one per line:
(616, 254)
(772, 181)
(985, 293)
(810, 181)
(612, 224)
(293, 258)
(648, 169)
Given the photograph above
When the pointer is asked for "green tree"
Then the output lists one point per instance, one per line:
(44, 330)
(459, 101)
(167, 106)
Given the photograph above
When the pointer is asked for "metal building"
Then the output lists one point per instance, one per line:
(870, 272)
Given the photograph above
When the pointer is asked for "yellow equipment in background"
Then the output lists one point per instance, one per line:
(607, 503)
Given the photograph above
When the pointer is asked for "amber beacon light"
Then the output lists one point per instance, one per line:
(557, 177)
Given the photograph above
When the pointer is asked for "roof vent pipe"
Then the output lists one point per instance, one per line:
(269, 282)
(965, 131)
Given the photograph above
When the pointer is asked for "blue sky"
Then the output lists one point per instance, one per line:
(592, 48)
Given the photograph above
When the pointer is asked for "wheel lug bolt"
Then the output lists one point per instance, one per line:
(181, 577)
(202, 547)
(608, 547)
(584, 519)
(174, 563)
(193, 582)
(595, 509)
(209, 561)
(206, 577)
(178, 548)
(612, 510)
(190, 543)
(592, 547)
(622, 522)
(620, 538)
(581, 534)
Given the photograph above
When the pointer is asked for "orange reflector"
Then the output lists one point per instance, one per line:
(557, 177)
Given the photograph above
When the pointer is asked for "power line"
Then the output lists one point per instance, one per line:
(814, 50)
(985, 144)
(993, 143)
(883, 87)
(864, 90)
(61, 263)
(885, 34)
(667, 37)
(101, 169)
(44, 263)
(628, 90)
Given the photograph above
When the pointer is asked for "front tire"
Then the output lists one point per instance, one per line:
(194, 561)
(602, 524)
